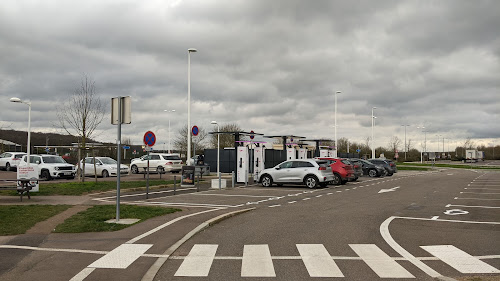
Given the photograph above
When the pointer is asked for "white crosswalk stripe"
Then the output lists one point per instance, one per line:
(460, 260)
(318, 261)
(198, 261)
(258, 262)
(383, 265)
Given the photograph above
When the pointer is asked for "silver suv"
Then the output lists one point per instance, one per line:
(304, 171)
(50, 166)
(159, 162)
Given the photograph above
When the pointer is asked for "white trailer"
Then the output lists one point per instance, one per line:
(471, 155)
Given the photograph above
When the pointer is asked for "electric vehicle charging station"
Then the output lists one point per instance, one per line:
(323, 153)
(331, 153)
(258, 160)
(242, 164)
(291, 153)
(302, 153)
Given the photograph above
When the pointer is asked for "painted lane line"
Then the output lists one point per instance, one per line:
(318, 261)
(306, 199)
(490, 199)
(459, 260)
(198, 262)
(339, 191)
(493, 193)
(382, 264)
(82, 274)
(233, 195)
(434, 217)
(272, 206)
(122, 256)
(54, 249)
(158, 228)
(291, 202)
(257, 262)
(467, 206)
(481, 188)
(317, 196)
(384, 231)
(329, 193)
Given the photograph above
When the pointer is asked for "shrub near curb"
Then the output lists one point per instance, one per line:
(94, 219)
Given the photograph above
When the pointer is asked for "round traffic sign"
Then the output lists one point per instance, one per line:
(149, 138)
(195, 130)
(252, 135)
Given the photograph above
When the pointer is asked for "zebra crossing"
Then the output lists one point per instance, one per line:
(257, 260)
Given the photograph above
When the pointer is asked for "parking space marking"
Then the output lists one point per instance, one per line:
(481, 188)
(467, 206)
(82, 274)
(272, 206)
(459, 260)
(492, 193)
(291, 202)
(488, 199)
(234, 195)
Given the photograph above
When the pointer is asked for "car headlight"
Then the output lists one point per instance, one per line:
(56, 168)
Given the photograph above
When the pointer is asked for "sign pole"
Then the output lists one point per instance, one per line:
(147, 179)
(118, 162)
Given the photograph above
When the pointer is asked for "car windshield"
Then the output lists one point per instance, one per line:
(171, 157)
(53, 159)
(107, 161)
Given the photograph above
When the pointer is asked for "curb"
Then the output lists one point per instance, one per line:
(153, 270)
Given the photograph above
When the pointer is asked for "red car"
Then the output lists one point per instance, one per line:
(342, 170)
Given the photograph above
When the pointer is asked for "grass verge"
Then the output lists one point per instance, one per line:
(93, 219)
(80, 188)
(17, 219)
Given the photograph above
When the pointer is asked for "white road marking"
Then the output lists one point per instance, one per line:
(257, 262)
(339, 191)
(306, 199)
(233, 195)
(434, 217)
(389, 190)
(82, 274)
(382, 264)
(482, 188)
(466, 206)
(318, 261)
(329, 193)
(122, 256)
(459, 260)
(272, 206)
(319, 196)
(490, 199)
(291, 202)
(198, 262)
(493, 193)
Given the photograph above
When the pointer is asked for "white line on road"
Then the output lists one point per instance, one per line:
(233, 195)
(257, 262)
(382, 264)
(318, 261)
(82, 274)
(434, 217)
(459, 259)
(490, 199)
(272, 206)
(481, 188)
(480, 193)
(306, 198)
(467, 206)
(291, 202)
(198, 262)
(122, 256)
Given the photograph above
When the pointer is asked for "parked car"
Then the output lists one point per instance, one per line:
(372, 170)
(104, 167)
(389, 166)
(304, 171)
(10, 160)
(50, 166)
(341, 168)
(356, 165)
(159, 162)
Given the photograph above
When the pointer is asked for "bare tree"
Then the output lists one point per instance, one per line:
(226, 140)
(198, 142)
(81, 114)
(394, 144)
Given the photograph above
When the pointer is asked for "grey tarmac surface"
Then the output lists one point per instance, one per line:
(335, 217)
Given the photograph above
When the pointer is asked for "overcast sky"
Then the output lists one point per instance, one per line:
(268, 66)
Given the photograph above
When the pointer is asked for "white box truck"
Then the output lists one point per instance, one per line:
(471, 155)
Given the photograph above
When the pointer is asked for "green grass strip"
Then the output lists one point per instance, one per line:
(17, 219)
(93, 219)
(80, 188)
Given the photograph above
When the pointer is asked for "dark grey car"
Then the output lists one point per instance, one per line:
(389, 166)
(372, 170)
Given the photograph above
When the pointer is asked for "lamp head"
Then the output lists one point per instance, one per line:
(374, 107)
(192, 50)
(15, 100)
(337, 92)
(213, 122)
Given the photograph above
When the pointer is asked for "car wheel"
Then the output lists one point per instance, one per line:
(160, 170)
(311, 182)
(355, 179)
(105, 174)
(389, 174)
(336, 179)
(372, 173)
(134, 169)
(7, 167)
(267, 181)
(45, 175)
(344, 182)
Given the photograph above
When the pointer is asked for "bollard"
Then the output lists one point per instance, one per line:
(232, 179)
(175, 179)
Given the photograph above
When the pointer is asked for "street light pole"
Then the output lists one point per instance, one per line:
(405, 139)
(373, 141)
(425, 143)
(336, 146)
(169, 138)
(218, 152)
(191, 50)
(28, 148)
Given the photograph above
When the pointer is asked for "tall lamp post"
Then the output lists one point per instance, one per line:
(190, 50)
(373, 141)
(336, 146)
(169, 138)
(438, 145)
(425, 143)
(218, 153)
(29, 125)
(405, 139)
